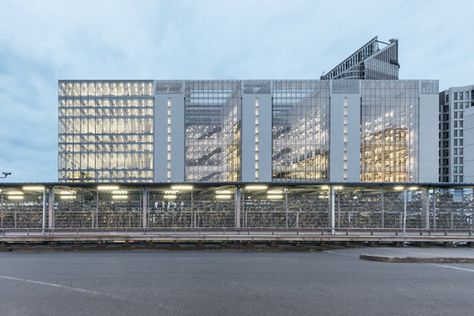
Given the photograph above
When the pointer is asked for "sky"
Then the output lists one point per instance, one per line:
(44, 41)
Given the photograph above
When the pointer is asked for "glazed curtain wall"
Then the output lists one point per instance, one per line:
(389, 131)
(106, 131)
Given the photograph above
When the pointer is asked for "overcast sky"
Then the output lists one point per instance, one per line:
(43, 41)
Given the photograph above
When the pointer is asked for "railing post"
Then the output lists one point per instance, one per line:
(238, 199)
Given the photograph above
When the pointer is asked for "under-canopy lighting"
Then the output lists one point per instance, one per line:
(33, 188)
(108, 187)
(398, 188)
(16, 197)
(224, 192)
(413, 188)
(119, 197)
(171, 191)
(275, 191)
(275, 196)
(119, 192)
(65, 192)
(325, 187)
(338, 187)
(256, 187)
(223, 197)
(67, 197)
(15, 193)
(182, 187)
(169, 196)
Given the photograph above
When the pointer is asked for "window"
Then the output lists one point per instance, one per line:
(455, 96)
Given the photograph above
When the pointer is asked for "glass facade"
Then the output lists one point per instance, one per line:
(212, 130)
(191, 131)
(389, 131)
(300, 130)
(106, 131)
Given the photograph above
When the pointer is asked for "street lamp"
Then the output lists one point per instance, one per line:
(5, 174)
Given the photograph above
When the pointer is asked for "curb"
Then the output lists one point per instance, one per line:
(389, 259)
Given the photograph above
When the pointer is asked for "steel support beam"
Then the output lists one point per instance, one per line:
(51, 213)
(425, 208)
(238, 202)
(332, 208)
(145, 208)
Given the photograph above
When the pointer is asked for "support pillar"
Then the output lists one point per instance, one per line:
(434, 208)
(43, 223)
(425, 208)
(145, 208)
(238, 200)
(382, 210)
(332, 209)
(405, 198)
(286, 206)
(51, 213)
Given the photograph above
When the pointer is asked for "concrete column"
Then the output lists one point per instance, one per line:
(425, 208)
(51, 213)
(238, 200)
(145, 208)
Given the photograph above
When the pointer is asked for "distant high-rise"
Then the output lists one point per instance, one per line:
(369, 62)
(454, 162)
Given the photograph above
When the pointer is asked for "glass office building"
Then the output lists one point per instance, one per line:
(226, 131)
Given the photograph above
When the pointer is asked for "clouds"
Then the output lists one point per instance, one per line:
(43, 41)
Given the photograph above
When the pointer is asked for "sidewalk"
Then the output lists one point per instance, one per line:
(419, 255)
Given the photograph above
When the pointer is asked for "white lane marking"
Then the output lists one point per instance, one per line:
(453, 267)
(56, 285)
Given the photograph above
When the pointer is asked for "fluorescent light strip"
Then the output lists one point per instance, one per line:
(15, 193)
(275, 191)
(33, 188)
(67, 197)
(171, 192)
(182, 187)
(275, 196)
(224, 197)
(224, 192)
(64, 192)
(256, 187)
(118, 192)
(398, 188)
(16, 197)
(108, 187)
(119, 197)
(169, 196)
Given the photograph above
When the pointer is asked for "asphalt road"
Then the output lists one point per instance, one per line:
(228, 283)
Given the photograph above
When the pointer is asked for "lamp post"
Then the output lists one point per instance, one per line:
(5, 174)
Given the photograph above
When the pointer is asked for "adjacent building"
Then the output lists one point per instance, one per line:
(219, 131)
(376, 60)
(455, 134)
